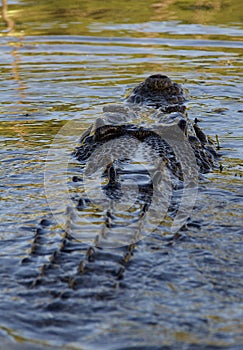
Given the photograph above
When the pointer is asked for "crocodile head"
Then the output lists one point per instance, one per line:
(155, 106)
(158, 91)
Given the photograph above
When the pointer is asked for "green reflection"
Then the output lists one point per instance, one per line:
(29, 133)
(75, 17)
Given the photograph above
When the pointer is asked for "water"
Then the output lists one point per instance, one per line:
(61, 64)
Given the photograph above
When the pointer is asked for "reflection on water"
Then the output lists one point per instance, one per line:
(62, 61)
(9, 22)
(74, 18)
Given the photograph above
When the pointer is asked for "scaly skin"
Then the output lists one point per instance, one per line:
(63, 262)
(159, 97)
(158, 91)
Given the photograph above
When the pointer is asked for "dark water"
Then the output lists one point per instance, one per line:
(60, 64)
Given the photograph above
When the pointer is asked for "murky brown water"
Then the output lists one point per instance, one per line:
(63, 61)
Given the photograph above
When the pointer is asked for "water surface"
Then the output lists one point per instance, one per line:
(61, 63)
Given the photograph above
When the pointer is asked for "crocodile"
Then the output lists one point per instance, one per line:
(149, 140)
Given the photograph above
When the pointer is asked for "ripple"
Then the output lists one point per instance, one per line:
(184, 293)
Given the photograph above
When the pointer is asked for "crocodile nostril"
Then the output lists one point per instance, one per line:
(158, 82)
(158, 76)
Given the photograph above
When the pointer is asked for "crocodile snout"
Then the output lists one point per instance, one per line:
(158, 82)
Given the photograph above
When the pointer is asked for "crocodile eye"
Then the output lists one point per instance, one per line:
(137, 99)
(182, 125)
